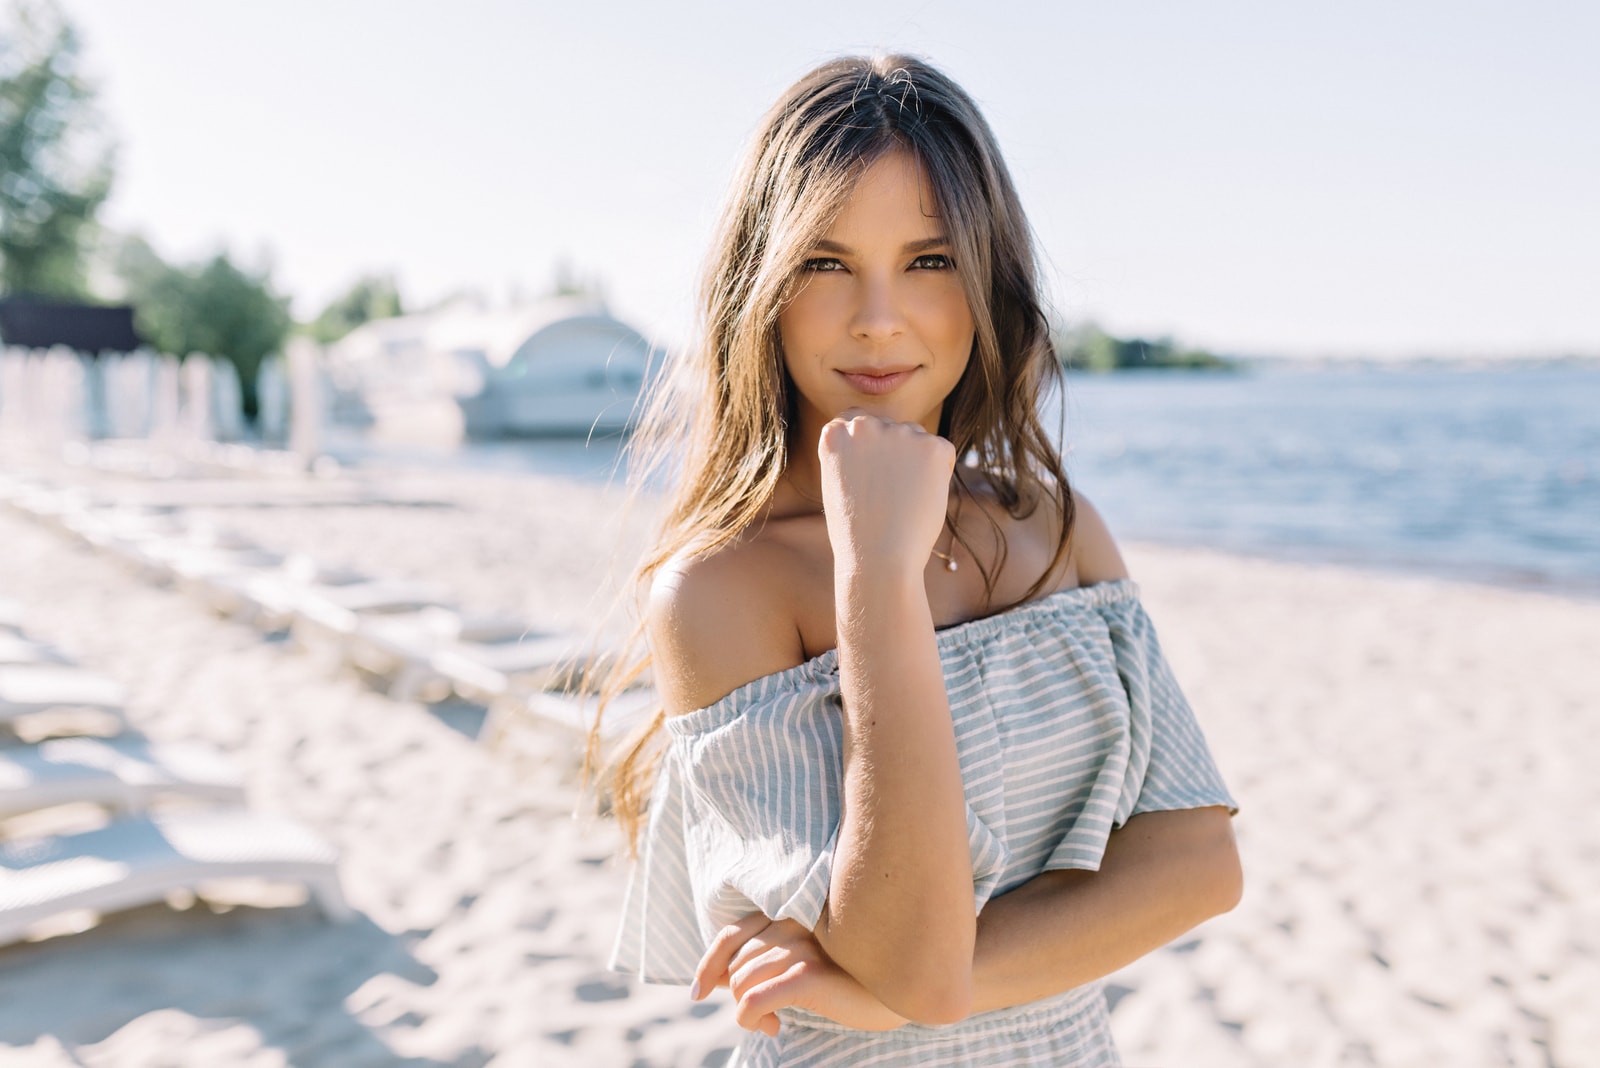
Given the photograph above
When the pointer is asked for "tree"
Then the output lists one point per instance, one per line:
(371, 297)
(1088, 348)
(55, 164)
(213, 307)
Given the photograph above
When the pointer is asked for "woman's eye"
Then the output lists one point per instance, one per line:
(822, 264)
(932, 262)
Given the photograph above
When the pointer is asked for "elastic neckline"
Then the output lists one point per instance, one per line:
(955, 636)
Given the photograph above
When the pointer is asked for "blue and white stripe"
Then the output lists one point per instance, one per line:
(1068, 721)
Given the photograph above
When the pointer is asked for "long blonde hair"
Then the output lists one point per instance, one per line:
(716, 426)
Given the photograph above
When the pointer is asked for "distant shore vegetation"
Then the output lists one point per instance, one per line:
(1088, 348)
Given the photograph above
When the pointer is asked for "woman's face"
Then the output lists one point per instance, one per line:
(880, 321)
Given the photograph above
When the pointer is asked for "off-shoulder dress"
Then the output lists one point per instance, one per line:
(1068, 721)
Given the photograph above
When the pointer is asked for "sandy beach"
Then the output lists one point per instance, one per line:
(1414, 760)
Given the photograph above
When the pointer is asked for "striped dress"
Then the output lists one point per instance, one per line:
(1067, 721)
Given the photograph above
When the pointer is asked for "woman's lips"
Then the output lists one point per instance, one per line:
(876, 383)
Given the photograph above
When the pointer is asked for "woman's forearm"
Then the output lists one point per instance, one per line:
(900, 914)
(1162, 874)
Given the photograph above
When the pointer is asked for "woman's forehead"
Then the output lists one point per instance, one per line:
(892, 201)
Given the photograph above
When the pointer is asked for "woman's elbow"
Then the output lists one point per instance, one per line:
(1226, 881)
(934, 1003)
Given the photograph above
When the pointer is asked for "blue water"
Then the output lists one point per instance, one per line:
(1487, 474)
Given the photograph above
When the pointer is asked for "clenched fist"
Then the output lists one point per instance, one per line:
(885, 487)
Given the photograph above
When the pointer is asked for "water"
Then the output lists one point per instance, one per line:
(1487, 474)
(1484, 474)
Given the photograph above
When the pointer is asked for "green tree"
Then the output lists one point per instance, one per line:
(55, 163)
(371, 297)
(1088, 348)
(213, 307)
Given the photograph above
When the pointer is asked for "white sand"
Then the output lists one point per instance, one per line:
(1415, 762)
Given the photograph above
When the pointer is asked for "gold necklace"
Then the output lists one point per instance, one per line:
(950, 563)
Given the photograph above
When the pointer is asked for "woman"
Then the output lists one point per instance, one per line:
(927, 776)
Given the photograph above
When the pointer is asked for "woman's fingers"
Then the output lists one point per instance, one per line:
(753, 978)
(751, 969)
(714, 965)
(757, 1009)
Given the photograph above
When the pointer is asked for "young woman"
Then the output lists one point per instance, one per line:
(926, 775)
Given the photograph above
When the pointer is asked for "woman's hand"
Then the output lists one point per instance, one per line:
(885, 489)
(770, 965)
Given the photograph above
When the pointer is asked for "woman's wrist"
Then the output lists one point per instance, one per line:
(879, 576)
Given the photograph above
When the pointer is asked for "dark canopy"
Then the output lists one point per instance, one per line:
(39, 324)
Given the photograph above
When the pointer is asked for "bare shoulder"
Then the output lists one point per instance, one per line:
(1095, 555)
(1033, 538)
(718, 620)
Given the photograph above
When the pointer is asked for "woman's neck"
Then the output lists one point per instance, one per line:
(802, 474)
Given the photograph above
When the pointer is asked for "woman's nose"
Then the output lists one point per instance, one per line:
(879, 314)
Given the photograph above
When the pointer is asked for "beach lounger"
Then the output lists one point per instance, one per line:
(266, 596)
(126, 773)
(17, 650)
(139, 860)
(40, 687)
(627, 710)
(193, 573)
(478, 657)
(57, 690)
(196, 553)
(50, 504)
(111, 528)
(10, 616)
(329, 615)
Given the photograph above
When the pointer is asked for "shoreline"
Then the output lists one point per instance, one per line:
(1411, 561)
(1401, 566)
(1402, 569)
(1412, 755)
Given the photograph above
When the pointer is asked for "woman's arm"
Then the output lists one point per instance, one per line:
(1162, 874)
(899, 915)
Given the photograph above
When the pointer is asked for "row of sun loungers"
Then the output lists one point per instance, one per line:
(177, 820)
(405, 636)
(175, 816)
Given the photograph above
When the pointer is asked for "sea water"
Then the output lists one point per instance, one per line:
(1490, 474)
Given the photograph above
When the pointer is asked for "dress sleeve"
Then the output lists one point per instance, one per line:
(1176, 768)
(1155, 757)
(745, 818)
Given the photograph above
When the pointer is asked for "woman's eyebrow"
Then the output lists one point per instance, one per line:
(910, 247)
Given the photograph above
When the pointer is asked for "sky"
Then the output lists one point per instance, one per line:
(1364, 179)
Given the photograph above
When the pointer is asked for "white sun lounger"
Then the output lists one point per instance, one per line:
(196, 554)
(107, 528)
(477, 657)
(266, 597)
(39, 699)
(140, 860)
(329, 615)
(26, 688)
(17, 650)
(10, 616)
(194, 572)
(51, 505)
(626, 711)
(125, 773)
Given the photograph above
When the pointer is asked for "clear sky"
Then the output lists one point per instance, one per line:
(1371, 178)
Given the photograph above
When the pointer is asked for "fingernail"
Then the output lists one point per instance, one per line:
(694, 990)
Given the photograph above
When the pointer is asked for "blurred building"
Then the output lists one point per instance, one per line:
(556, 366)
